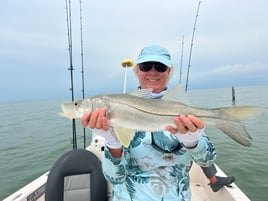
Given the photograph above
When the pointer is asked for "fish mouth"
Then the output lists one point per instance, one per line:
(67, 109)
(68, 115)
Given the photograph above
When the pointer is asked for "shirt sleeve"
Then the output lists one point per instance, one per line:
(204, 154)
(114, 169)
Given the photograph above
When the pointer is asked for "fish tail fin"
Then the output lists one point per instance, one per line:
(124, 135)
(232, 125)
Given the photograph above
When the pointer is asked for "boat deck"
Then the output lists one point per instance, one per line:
(201, 191)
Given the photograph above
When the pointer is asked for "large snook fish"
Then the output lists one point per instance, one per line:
(130, 112)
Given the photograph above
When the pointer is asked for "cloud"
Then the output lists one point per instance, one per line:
(238, 69)
(237, 74)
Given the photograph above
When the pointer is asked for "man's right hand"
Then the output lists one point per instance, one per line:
(96, 119)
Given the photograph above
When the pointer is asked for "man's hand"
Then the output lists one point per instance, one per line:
(186, 124)
(96, 119)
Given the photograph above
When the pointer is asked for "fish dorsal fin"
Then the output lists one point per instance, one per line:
(143, 93)
(124, 135)
(176, 94)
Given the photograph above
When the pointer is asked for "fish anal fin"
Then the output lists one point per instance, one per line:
(124, 135)
(237, 131)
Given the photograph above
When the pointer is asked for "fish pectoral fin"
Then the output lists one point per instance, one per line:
(124, 135)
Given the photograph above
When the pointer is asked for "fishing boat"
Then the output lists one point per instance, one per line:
(36, 190)
(84, 181)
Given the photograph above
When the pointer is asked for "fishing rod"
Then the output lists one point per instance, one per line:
(190, 55)
(69, 32)
(82, 50)
(181, 58)
(82, 64)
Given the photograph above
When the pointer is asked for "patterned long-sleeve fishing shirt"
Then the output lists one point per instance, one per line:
(155, 167)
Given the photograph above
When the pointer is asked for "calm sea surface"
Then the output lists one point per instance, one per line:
(33, 136)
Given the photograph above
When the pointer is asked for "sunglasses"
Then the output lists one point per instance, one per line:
(147, 66)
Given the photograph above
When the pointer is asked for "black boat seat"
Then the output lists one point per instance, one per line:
(76, 176)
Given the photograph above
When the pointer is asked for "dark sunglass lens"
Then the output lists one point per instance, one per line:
(160, 67)
(146, 66)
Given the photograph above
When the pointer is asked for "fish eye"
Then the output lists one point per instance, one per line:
(75, 103)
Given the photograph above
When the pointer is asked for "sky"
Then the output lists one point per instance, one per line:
(230, 44)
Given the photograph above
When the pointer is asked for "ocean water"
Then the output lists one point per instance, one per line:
(33, 136)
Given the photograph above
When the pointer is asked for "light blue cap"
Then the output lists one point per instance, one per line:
(154, 53)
